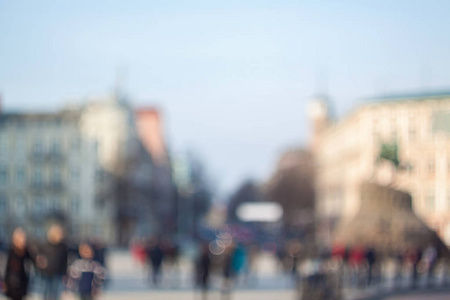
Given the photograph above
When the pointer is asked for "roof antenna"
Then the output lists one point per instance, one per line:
(121, 76)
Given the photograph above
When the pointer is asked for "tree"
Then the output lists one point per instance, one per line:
(389, 152)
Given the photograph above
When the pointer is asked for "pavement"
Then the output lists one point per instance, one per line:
(419, 296)
(129, 280)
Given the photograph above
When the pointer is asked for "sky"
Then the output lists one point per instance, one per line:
(232, 78)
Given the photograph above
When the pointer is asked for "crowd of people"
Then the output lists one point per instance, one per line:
(54, 265)
(352, 267)
(154, 252)
(366, 266)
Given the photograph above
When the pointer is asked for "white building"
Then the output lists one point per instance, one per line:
(76, 166)
(346, 152)
(49, 169)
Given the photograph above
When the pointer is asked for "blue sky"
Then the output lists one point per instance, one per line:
(232, 77)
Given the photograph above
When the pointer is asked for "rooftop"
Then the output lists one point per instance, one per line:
(423, 95)
(45, 116)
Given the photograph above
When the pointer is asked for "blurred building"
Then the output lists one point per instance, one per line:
(292, 186)
(193, 196)
(154, 185)
(248, 192)
(49, 169)
(346, 154)
(90, 167)
(109, 122)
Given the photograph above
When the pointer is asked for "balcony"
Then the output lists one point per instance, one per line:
(37, 157)
(47, 157)
(37, 185)
(56, 186)
(53, 186)
(54, 156)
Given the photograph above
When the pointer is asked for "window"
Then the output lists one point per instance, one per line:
(393, 128)
(20, 174)
(98, 230)
(3, 205)
(20, 148)
(3, 175)
(430, 201)
(100, 174)
(376, 129)
(53, 204)
(21, 204)
(431, 166)
(56, 177)
(75, 173)
(410, 168)
(97, 146)
(412, 131)
(38, 147)
(99, 201)
(37, 177)
(39, 205)
(56, 147)
(75, 204)
(75, 144)
(3, 145)
(75, 229)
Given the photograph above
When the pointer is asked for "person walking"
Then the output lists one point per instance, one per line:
(86, 274)
(371, 259)
(228, 271)
(430, 255)
(155, 257)
(52, 262)
(17, 272)
(415, 257)
(203, 270)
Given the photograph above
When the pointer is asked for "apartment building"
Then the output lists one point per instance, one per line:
(346, 153)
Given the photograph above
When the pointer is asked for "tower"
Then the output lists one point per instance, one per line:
(318, 112)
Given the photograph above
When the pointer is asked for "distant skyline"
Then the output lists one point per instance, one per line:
(232, 78)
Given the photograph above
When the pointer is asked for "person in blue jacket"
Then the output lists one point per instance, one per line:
(87, 275)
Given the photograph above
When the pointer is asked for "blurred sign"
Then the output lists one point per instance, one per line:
(259, 212)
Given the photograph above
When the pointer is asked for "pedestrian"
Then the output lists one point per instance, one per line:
(430, 256)
(228, 271)
(171, 253)
(100, 253)
(239, 260)
(52, 262)
(138, 251)
(371, 260)
(399, 256)
(251, 262)
(155, 257)
(87, 274)
(17, 270)
(203, 270)
(356, 260)
(415, 256)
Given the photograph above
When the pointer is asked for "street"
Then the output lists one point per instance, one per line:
(423, 296)
(129, 280)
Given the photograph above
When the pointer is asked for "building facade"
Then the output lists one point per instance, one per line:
(346, 155)
(48, 169)
(86, 166)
